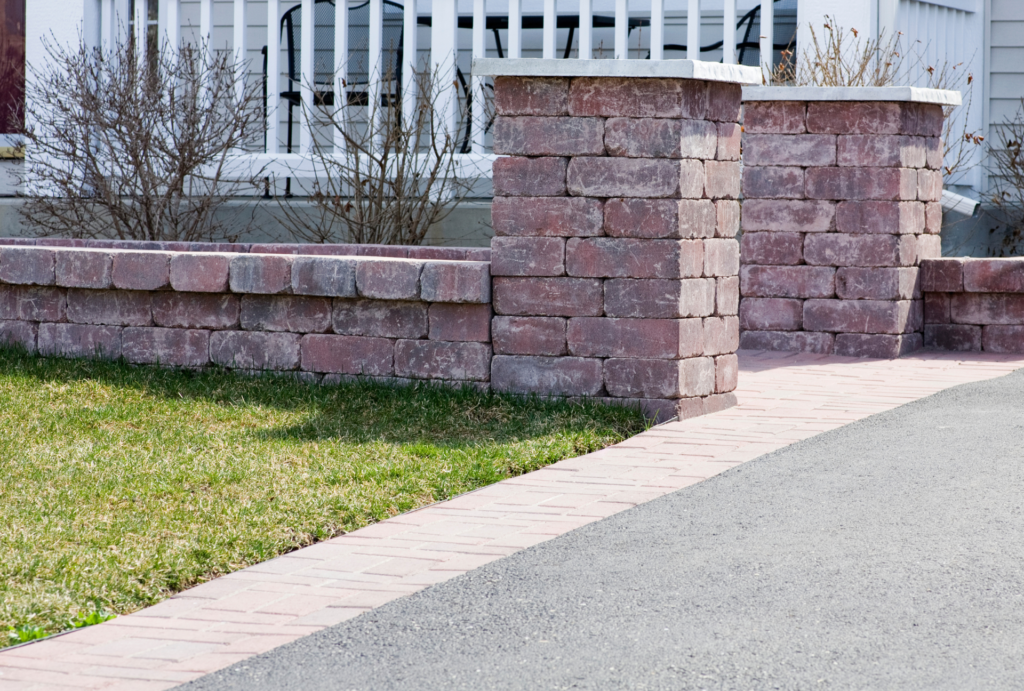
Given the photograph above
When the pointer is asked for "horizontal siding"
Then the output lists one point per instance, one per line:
(1006, 10)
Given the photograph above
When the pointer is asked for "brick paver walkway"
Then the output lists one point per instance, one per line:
(784, 397)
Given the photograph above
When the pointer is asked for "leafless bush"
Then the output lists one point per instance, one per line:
(119, 147)
(393, 176)
(1006, 164)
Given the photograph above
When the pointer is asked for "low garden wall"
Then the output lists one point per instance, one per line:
(974, 304)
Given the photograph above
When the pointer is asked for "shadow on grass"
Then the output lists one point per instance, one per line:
(359, 411)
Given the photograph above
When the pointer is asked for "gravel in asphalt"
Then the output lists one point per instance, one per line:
(886, 554)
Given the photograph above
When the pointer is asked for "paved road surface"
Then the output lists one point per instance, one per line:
(886, 554)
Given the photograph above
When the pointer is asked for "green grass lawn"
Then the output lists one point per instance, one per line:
(120, 485)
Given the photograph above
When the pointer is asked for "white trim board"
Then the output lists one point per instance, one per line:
(677, 69)
(905, 94)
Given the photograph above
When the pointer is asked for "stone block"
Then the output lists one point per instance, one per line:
(721, 257)
(728, 218)
(722, 179)
(788, 341)
(32, 303)
(789, 150)
(730, 141)
(324, 276)
(929, 185)
(727, 295)
(611, 97)
(649, 137)
(634, 338)
(196, 310)
(933, 153)
(524, 256)
(721, 335)
(986, 308)
(933, 218)
(643, 218)
(960, 337)
(80, 341)
(727, 372)
(1003, 339)
(380, 318)
(842, 249)
(718, 402)
(19, 333)
(555, 376)
(924, 119)
(771, 314)
(788, 281)
(174, 347)
(547, 216)
(926, 247)
(659, 299)
(83, 269)
(141, 270)
(200, 273)
(773, 182)
(457, 282)
(547, 297)
(440, 360)
(256, 350)
(724, 102)
(389, 279)
(110, 307)
(936, 308)
(355, 355)
(878, 217)
(632, 258)
(629, 177)
(857, 183)
(861, 316)
(775, 117)
(886, 150)
(27, 266)
(802, 216)
(944, 275)
(979, 275)
(531, 96)
(853, 117)
(548, 136)
(265, 274)
(772, 248)
(286, 313)
(517, 176)
(876, 284)
(529, 336)
(876, 345)
(687, 408)
(645, 378)
(452, 322)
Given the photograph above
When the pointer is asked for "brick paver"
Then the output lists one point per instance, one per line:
(783, 398)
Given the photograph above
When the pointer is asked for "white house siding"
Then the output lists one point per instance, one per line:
(1005, 79)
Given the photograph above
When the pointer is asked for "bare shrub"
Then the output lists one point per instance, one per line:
(1006, 168)
(393, 176)
(124, 148)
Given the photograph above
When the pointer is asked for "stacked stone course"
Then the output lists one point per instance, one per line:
(841, 205)
(615, 261)
(318, 315)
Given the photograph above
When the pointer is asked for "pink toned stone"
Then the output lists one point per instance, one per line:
(440, 360)
(728, 218)
(771, 314)
(526, 256)
(841, 249)
(642, 218)
(801, 341)
(115, 308)
(80, 340)
(632, 258)
(547, 216)
(773, 182)
(531, 95)
(286, 313)
(730, 138)
(861, 316)
(789, 150)
(775, 117)
(517, 176)
(388, 279)
(175, 347)
(727, 372)
(561, 376)
(897, 218)
(200, 273)
(772, 248)
(958, 337)
(356, 355)
(196, 310)
(326, 276)
(610, 97)
(255, 350)
(529, 335)
(460, 323)
(83, 269)
(547, 297)
(549, 136)
(721, 257)
(721, 335)
(943, 275)
(380, 318)
(141, 271)
(877, 284)
(27, 266)
(634, 338)
(853, 117)
(266, 274)
(876, 345)
(1003, 339)
(788, 281)
(626, 177)
(727, 295)
(722, 179)
(659, 299)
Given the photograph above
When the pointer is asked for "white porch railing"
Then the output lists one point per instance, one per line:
(430, 34)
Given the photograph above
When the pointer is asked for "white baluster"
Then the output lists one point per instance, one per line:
(206, 22)
(693, 30)
(375, 71)
(306, 76)
(550, 28)
(729, 33)
(106, 24)
(443, 53)
(767, 39)
(273, 74)
(171, 19)
(657, 29)
(141, 15)
(410, 47)
(621, 29)
(586, 46)
(515, 28)
(240, 46)
(119, 21)
(340, 69)
(479, 51)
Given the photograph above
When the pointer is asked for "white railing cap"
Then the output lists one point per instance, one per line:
(905, 94)
(677, 69)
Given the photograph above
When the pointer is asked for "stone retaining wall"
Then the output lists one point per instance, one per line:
(974, 304)
(319, 315)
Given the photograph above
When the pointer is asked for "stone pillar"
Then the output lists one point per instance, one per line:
(614, 262)
(841, 193)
